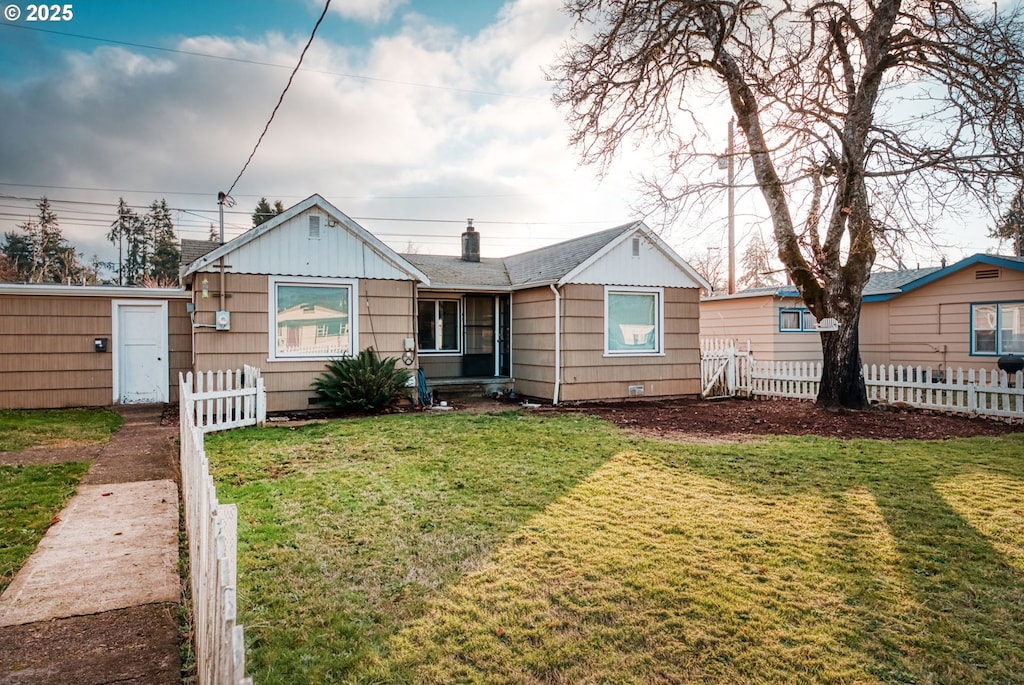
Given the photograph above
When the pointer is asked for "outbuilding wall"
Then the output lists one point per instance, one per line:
(47, 356)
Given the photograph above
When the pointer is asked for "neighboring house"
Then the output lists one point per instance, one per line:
(74, 346)
(965, 315)
(606, 316)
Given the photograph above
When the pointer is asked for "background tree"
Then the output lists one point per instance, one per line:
(8, 270)
(128, 233)
(756, 264)
(39, 254)
(17, 251)
(166, 257)
(711, 266)
(855, 116)
(264, 212)
(1011, 225)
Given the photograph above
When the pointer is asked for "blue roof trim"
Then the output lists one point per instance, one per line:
(1015, 263)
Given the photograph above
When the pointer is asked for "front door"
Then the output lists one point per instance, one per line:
(478, 357)
(140, 352)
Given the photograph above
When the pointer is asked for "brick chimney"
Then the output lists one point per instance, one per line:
(470, 243)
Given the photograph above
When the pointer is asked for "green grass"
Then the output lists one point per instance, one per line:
(522, 549)
(30, 496)
(20, 430)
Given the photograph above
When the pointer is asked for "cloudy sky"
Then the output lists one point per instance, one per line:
(408, 115)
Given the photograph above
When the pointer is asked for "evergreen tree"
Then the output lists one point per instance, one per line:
(166, 256)
(756, 263)
(42, 255)
(1011, 226)
(17, 251)
(264, 212)
(128, 232)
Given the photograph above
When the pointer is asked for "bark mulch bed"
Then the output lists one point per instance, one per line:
(737, 419)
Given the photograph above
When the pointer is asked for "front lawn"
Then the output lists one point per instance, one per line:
(30, 496)
(24, 429)
(514, 548)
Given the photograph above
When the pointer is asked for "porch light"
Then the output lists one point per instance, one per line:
(206, 287)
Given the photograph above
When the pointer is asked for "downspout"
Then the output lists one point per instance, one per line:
(558, 341)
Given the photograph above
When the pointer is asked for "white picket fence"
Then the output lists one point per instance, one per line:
(967, 391)
(212, 527)
(724, 366)
(227, 399)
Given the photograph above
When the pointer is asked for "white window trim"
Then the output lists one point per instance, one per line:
(659, 294)
(998, 306)
(353, 309)
(461, 313)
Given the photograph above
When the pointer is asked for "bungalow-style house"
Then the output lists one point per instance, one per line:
(607, 316)
(965, 315)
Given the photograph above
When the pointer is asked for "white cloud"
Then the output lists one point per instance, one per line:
(369, 11)
(375, 146)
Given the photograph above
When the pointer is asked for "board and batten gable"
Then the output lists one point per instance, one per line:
(328, 248)
(310, 244)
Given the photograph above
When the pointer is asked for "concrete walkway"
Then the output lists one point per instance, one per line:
(97, 601)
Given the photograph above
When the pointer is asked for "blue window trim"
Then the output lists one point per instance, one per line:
(999, 327)
(804, 313)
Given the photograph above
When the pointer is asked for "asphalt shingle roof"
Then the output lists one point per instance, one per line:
(543, 265)
(191, 250)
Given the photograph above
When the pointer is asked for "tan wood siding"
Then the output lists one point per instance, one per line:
(588, 374)
(47, 358)
(931, 325)
(533, 342)
(385, 321)
(752, 319)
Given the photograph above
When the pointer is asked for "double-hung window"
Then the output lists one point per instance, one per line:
(634, 321)
(796, 320)
(438, 325)
(312, 318)
(997, 328)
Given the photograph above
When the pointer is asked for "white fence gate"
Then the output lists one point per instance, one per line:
(967, 391)
(212, 527)
(227, 399)
(724, 365)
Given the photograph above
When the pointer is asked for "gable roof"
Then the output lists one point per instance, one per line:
(886, 285)
(922, 277)
(367, 238)
(552, 265)
(191, 250)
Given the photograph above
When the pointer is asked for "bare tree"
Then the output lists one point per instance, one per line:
(858, 117)
(709, 264)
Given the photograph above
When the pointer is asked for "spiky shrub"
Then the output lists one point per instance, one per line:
(363, 383)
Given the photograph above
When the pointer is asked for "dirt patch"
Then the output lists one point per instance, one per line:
(743, 419)
(137, 645)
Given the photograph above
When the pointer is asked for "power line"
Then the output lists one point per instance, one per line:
(480, 196)
(281, 99)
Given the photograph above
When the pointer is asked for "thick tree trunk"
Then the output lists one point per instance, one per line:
(842, 374)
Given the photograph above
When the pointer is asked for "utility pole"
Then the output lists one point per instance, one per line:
(731, 178)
